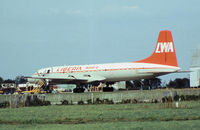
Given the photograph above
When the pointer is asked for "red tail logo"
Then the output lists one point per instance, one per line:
(164, 47)
(164, 52)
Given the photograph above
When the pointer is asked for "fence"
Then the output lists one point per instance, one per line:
(116, 97)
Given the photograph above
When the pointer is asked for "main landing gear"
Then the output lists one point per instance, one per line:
(80, 88)
(94, 87)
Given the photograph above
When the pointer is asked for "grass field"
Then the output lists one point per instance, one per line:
(116, 116)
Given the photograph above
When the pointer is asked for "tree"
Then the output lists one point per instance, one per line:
(187, 82)
(1, 80)
(9, 81)
(20, 79)
(151, 83)
(144, 84)
(171, 84)
(133, 84)
(179, 83)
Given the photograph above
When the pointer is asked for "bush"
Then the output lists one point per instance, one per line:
(191, 97)
(164, 99)
(4, 104)
(98, 101)
(125, 101)
(182, 98)
(154, 101)
(89, 101)
(128, 101)
(107, 101)
(167, 99)
(65, 102)
(176, 98)
(134, 101)
(46, 103)
(80, 102)
(36, 102)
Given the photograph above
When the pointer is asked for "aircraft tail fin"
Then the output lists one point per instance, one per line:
(164, 52)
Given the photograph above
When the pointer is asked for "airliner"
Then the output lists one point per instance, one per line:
(162, 61)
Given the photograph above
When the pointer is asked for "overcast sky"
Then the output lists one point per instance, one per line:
(41, 33)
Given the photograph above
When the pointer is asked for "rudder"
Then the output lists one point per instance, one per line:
(164, 52)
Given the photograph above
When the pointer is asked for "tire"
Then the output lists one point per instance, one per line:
(108, 89)
(78, 90)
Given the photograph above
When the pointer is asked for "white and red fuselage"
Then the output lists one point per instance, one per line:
(113, 71)
(162, 61)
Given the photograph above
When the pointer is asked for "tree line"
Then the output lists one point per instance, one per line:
(155, 83)
(17, 80)
(145, 84)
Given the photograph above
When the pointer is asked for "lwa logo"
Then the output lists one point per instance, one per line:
(164, 47)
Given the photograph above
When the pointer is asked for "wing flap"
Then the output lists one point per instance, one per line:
(70, 78)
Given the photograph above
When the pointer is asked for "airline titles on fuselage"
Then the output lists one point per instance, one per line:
(68, 69)
(75, 68)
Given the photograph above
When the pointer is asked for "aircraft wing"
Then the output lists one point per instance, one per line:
(184, 71)
(154, 73)
(69, 78)
(158, 73)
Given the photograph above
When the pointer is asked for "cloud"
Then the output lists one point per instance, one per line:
(129, 8)
(121, 8)
(73, 12)
(89, 13)
(56, 11)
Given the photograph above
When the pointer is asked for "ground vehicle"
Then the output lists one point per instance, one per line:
(32, 90)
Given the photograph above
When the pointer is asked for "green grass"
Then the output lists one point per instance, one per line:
(116, 116)
(177, 125)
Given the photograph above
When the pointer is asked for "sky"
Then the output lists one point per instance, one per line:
(36, 34)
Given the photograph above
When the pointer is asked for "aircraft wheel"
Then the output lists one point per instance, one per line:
(108, 89)
(78, 90)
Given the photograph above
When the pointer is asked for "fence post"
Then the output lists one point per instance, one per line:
(92, 96)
